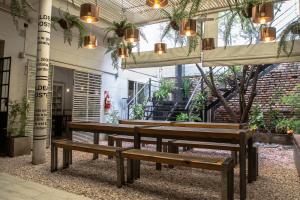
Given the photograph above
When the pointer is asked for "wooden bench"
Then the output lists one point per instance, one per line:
(117, 140)
(233, 148)
(224, 165)
(68, 145)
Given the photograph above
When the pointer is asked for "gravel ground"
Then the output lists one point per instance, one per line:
(277, 179)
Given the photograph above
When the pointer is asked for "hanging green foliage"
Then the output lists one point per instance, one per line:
(19, 9)
(69, 22)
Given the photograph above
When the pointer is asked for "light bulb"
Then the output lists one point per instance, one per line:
(89, 20)
(160, 52)
(262, 20)
(188, 33)
(267, 39)
(131, 40)
(68, 90)
(156, 5)
(90, 46)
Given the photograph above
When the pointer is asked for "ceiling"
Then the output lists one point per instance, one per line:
(136, 11)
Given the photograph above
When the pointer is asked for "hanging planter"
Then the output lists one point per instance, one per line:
(132, 35)
(90, 42)
(188, 27)
(268, 34)
(247, 10)
(123, 52)
(160, 48)
(157, 3)
(262, 13)
(89, 13)
(208, 43)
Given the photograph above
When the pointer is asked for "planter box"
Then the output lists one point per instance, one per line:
(18, 146)
(297, 152)
(282, 139)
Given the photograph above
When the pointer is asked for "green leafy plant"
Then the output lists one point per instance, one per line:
(17, 118)
(290, 33)
(199, 102)
(138, 111)
(69, 22)
(187, 85)
(118, 28)
(256, 120)
(19, 9)
(113, 117)
(183, 117)
(166, 87)
(284, 125)
(195, 118)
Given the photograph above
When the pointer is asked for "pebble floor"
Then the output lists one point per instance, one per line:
(95, 179)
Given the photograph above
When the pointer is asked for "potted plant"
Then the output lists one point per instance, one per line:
(138, 111)
(182, 117)
(69, 22)
(187, 85)
(165, 90)
(19, 9)
(18, 142)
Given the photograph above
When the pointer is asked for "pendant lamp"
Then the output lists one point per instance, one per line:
(208, 43)
(268, 34)
(90, 42)
(160, 48)
(89, 13)
(157, 3)
(123, 52)
(188, 27)
(132, 35)
(262, 13)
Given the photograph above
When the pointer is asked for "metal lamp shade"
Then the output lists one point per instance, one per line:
(89, 13)
(208, 44)
(157, 3)
(263, 13)
(90, 42)
(160, 48)
(132, 35)
(268, 34)
(123, 52)
(188, 27)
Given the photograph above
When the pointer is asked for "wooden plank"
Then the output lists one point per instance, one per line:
(89, 148)
(175, 159)
(187, 133)
(146, 122)
(207, 145)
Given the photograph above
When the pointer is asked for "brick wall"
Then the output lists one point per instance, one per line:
(279, 82)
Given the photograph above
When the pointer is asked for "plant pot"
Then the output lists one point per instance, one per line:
(174, 25)
(296, 30)
(63, 24)
(18, 146)
(282, 139)
(120, 32)
(247, 11)
(296, 140)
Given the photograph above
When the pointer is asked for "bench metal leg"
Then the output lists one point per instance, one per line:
(66, 158)
(251, 171)
(53, 158)
(130, 174)
(158, 149)
(255, 164)
(227, 180)
(96, 141)
(234, 156)
(110, 142)
(120, 169)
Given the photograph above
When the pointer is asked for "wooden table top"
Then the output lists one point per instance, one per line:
(172, 132)
(102, 127)
(186, 124)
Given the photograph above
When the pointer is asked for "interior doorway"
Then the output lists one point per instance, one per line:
(62, 100)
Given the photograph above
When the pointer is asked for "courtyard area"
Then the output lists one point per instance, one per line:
(95, 179)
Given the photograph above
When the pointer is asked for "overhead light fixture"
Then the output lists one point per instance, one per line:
(160, 48)
(89, 13)
(263, 13)
(208, 44)
(123, 52)
(132, 35)
(268, 34)
(188, 27)
(90, 42)
(157, 3)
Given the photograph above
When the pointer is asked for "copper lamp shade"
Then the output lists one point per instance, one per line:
(89, 13)
(157, 3)
(268, 34)
(262, 13)
(132, 35)
(188, 27)
(160, 48)
(123, 52)
(208, 44)
(90, 42)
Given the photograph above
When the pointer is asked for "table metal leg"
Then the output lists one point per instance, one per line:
(96, 141)
(70, 137)
(250, 160)
(158, 149)
(243, 173)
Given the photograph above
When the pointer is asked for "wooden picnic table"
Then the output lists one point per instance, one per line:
(237, 136)
(222, 135)
(186, 124)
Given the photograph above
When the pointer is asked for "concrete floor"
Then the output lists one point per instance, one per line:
(13, 188)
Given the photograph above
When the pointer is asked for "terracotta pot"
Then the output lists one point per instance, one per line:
(18, 146)
(174, 25)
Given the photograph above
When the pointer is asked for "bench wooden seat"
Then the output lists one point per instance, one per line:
(224, 165)
(68, 145)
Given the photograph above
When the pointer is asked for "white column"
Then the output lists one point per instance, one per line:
(41, 87)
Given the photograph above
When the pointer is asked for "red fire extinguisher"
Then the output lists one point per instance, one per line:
(107, 104)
